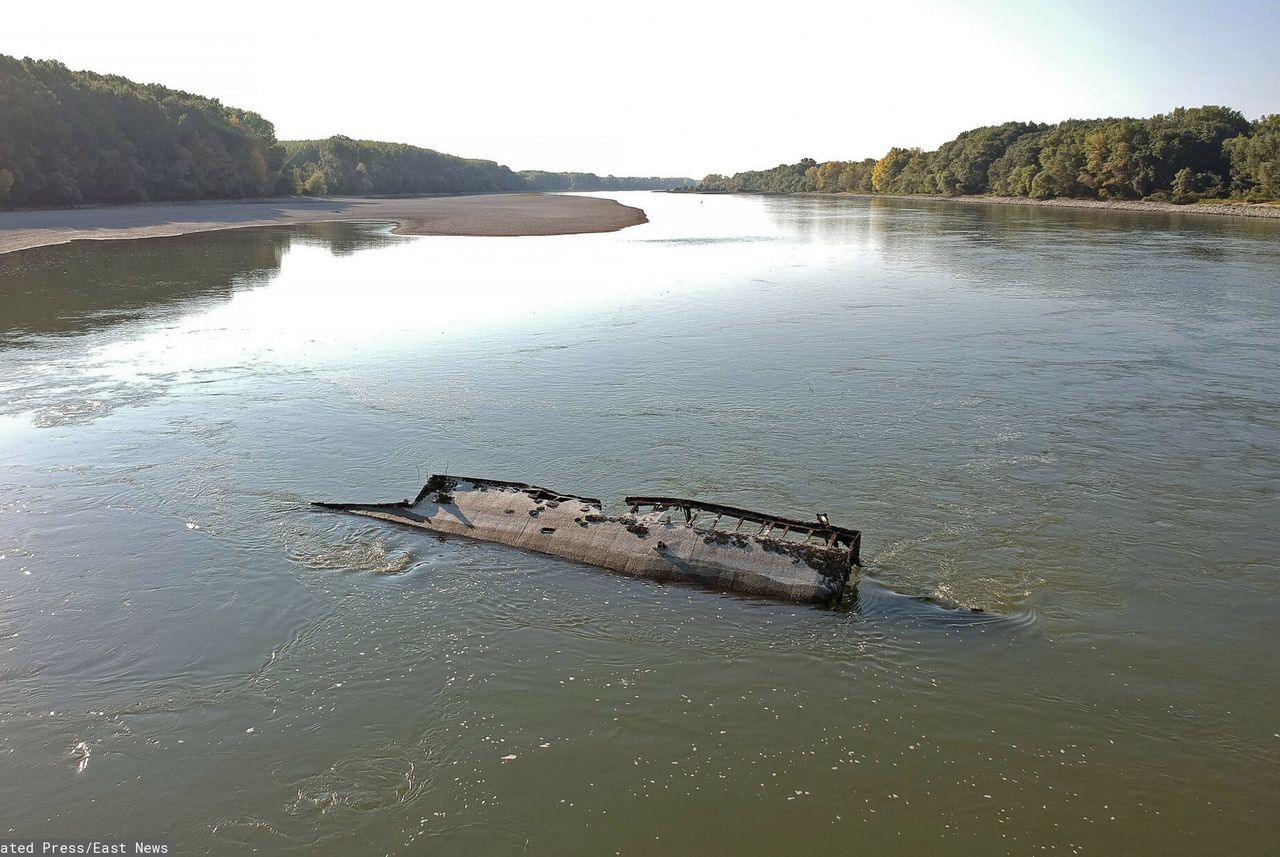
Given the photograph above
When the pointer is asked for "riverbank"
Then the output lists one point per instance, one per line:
(480, 215)
(1230, 209)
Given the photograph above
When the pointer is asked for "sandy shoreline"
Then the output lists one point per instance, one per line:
(1224, 209)
(481, 215)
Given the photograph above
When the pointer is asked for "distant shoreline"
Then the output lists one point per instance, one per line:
(505, 215)
(1230, 209)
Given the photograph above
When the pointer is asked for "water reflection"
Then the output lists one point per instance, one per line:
(977, 240)
(86, 285)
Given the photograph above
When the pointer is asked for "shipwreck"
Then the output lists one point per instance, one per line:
(660, 538)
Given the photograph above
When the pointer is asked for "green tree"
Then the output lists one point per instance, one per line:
(317, 184)
(1255, 160)
(1185, 186)
(963, 165)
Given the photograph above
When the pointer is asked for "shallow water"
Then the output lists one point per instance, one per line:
(1068, 418)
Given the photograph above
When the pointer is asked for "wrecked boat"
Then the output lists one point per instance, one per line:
(660, 538)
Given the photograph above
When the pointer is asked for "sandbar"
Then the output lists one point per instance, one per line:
(506, 214)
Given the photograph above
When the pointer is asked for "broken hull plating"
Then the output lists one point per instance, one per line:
(661, 538)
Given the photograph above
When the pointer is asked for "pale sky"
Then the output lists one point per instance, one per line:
(672, 88)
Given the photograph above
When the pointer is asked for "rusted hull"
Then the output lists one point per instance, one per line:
(660, 538)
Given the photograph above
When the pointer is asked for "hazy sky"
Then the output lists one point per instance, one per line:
(672, 88)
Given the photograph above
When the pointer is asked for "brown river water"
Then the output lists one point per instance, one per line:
(1070, 419)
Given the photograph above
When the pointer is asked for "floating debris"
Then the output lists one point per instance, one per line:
(80, 755)
(661, 538)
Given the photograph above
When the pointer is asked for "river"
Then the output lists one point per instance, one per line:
(1067, 419)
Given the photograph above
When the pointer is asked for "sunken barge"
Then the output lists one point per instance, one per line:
(660, 538)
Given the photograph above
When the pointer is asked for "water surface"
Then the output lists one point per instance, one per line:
(1068, 418)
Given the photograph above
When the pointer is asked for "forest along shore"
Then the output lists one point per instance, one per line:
(1235, 209)
(481, 215)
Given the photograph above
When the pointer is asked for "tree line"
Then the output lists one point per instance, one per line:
(71, 137)
(1183, 156)
(76, 137)
(544, 181)
(340, 165)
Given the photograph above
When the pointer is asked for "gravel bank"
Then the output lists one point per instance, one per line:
(1234, 209)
